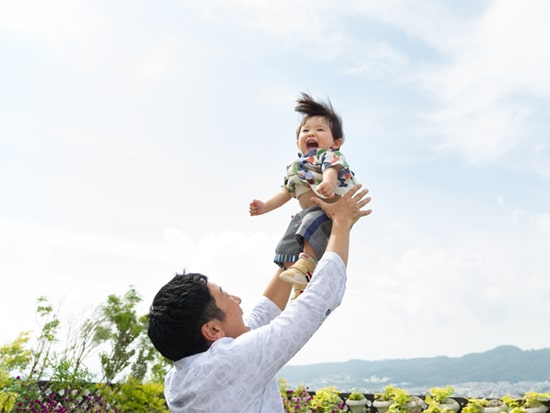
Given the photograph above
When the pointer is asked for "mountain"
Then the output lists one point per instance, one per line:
(503, 364)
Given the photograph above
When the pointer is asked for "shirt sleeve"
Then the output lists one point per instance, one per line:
(346, 178)
(265, 311)
(264, 351)
(331, 159)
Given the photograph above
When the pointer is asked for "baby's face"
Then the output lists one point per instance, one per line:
(315, 133)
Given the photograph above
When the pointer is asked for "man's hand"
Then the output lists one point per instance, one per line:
(349, 209)
(344, 213)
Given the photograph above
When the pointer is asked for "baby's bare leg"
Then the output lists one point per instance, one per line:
(309, 251)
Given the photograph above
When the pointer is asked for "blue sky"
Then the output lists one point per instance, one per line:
(134, 135)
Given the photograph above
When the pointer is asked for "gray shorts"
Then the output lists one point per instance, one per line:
(311, 224)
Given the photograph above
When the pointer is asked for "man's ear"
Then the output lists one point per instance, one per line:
(211, 330)
(337, 143)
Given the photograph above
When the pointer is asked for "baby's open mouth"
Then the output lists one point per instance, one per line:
(311, 144)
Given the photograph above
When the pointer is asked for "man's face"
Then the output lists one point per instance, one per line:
(233, 325)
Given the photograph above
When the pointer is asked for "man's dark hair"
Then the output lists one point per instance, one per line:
(309, 107)
(177, 314)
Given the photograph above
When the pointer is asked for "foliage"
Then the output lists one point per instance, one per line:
(133, 396)
(14, 356)
(513, 404)
(71, 364)
(119, 326)
(295, 401)
(356, 395)
(53, 381)
(476, 405)
(356, 402)
(159, 367)
(401, 399)
(394, 394)
(326, 400)
(7, 398)
(529, 400)
(7, 401)
(300, 400)
(438, 396)
(42, 357)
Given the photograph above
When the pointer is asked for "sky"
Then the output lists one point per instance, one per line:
(133, 136)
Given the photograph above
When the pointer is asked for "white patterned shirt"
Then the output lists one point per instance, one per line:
(238, 375)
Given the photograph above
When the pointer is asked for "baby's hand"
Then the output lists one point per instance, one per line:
(256, 207)
(326, 189)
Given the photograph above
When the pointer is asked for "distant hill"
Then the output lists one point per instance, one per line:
(502, 364)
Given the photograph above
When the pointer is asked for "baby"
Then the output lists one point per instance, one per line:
(320, 171)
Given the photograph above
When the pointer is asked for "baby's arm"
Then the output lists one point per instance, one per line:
(327, 188)
(258, 207)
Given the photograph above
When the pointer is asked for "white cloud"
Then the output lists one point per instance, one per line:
(36, 16)
(501, 58)
(482, 132)
(297, 22)
(544, 222)
(158, 62)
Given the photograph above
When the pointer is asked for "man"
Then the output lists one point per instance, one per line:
(221, 362)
